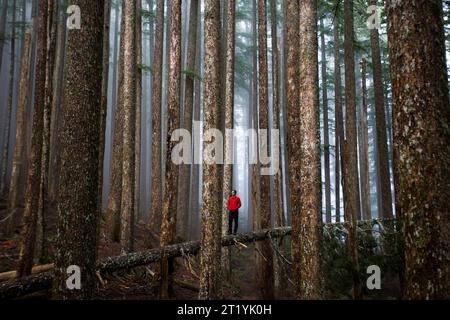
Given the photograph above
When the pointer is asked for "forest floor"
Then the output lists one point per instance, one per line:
(139, 283)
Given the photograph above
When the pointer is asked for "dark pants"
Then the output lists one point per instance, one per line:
(233, 216)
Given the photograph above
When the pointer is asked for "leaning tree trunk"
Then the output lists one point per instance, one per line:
(310, 217)
(326, 135)
(266, 280)
(382, 149)
(228, 150)
(339, 132)
(421, 143)
(7, 130)
(170, 195)
(211, 209)
(129, 127)
(32, 194)
(21, 129)
(351, 190)
(79, 150)
(156, 170)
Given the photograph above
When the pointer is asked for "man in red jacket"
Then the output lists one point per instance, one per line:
(234, 203)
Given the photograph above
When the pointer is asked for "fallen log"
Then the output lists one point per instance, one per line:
(43, 281)
(10, 275)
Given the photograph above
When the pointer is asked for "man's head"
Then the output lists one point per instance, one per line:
(233, 193)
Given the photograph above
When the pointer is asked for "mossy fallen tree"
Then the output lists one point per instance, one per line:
(43, 281)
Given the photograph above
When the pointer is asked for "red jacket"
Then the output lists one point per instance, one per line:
(234, 203)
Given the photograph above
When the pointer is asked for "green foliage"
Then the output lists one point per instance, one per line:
(192, 74)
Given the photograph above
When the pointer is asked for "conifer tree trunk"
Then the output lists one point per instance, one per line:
(421, 143)
(310, 217)
(79, 151)
(138, 107)
(211, 199)
(129, 127)
(366, 212)
(382, 149)
(28, 236)
(156, 172)
(170, 195)
(351, 190)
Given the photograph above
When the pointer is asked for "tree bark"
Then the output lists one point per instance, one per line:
(382, 149)
(211, 206)
(129, 127)
(351, 190)
(309, 216)
(32, 195)
(339, 132)
(156, 172)
(138, 107)
(3, 17)
(79, 150)
(421, 143)
(170, 195)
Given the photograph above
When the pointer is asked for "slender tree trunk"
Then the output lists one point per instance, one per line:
(367, 215)
(421, 143)
(293, 129)
(138, 127)
(19, 149)
(115, 185)
(32, 195)
(42, 249)
(267, 277)
(7, 130)
(309, 216)
(351, 190)
(339, 132)
(382, 149)
(104, 109)
(80, 137)
(185, 169)
(211, 208)
(129, 127)
(170, 195)
(156, 185)
(228, 151)
(326, 135)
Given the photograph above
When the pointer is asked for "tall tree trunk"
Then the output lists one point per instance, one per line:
(156, 172)
(42, 250)
(326, 135)
(7, 130)
(267, 278)
(185, 169)
(138, 107)
(382, 149)
(21, 128)
(366, 212)
(170, 195)
(293, 129)
(104, 109)
(115, 185)
(339, 131)
(129, 127)
(228, 151)
(211, 209)
(421, 143)
(351, 190)
(309, 216)
(79, 150)
(32, 195)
